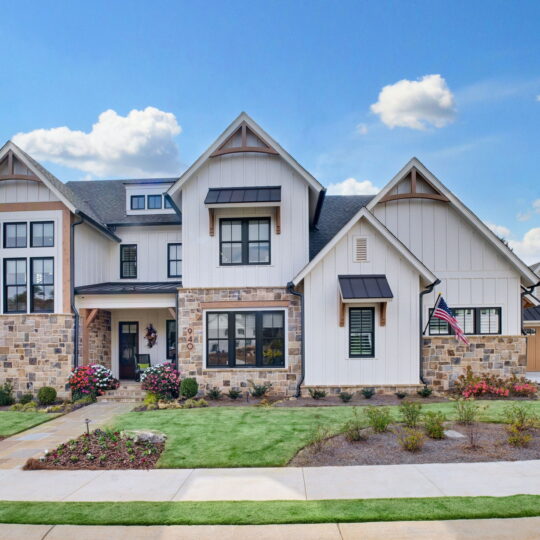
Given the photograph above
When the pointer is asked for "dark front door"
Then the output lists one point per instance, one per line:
(128, 340)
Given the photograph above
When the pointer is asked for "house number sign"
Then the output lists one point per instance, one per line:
(190, 339)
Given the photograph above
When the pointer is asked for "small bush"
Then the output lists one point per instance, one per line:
(354, 428)
(161, 379)
(214, 393)
(195, 403)
(318, 436)
(434, 424)
(466, 410)
(17, 407)
(379, 418)
(520, 416)
(31, 406)
(425, 392)
(150, 398)
(234, 393)
(411, 440)
(401, 395)
(189, 388)
(56, 409)
(6, 395)
(411, 413)
(46, 395)
(26, 398)
(517, 437)
(259, 390)
(316, 393)
(345, 396)
(368, 393)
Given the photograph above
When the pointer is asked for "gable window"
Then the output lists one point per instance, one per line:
(42, 285)
(245, 339)
(244, 241)
(128, 261)
(137, 202)
(472, 321)
(362, 332)
(15, 291)
(170, 330)
(174, 260)
(154, 202)
(14, 235)
(42, 234)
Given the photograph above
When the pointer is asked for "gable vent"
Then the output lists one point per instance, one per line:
(360, 249)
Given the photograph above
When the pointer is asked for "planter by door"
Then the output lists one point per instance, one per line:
(128, 339)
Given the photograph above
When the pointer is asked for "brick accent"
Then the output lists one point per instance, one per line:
(36, 350)
(99, 339)
(191, 362)
(445, 358)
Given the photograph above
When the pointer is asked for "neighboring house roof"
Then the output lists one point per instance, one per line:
(161, 287)
(238, 195)
(362, 286)
(531, 314)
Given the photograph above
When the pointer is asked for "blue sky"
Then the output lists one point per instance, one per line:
(308, 72)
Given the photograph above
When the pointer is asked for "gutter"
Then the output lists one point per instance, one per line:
(291, 290)
(526, 291)
(72, 277)
(427, 290)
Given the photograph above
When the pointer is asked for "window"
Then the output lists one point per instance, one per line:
(137, 202)
(489, 321)
(362, 332)
(245, 339)
(128, 261)
(167, 203)
(15, 293)
(174, 260)
(14, 235)
(154, 202)
(42, 234)
(244, 241)
(170, 330)
(471, 320)
(42, 285)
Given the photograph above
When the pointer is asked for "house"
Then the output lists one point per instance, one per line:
(246, 271)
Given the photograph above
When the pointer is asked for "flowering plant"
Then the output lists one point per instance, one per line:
(161, 379)
(91, 380)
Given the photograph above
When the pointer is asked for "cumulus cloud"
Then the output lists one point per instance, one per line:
(538, 97)
(138, 144)
(528, 248)
(362, 129)
(499, 230)
(526, 215)
(351, 186)
(416, 104)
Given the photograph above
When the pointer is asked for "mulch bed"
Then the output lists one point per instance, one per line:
(384, 449)
(100, 450)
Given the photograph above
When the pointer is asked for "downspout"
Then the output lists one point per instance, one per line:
(526, 291)
(427, 290)
(290, 288)
(72, 277)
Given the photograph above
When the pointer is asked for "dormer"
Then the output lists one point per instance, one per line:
(147, 197)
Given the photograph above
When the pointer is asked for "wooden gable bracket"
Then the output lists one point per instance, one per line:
(244, 147)
(90, 317)
(10, 158)
(211, 221)
(382, 314)
(414, 194)
(172, 311)
(278, 219)
(342, 309)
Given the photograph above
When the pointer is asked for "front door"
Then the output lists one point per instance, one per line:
(128, 338)
(533, 349)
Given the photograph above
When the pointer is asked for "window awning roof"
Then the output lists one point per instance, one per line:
(164, 287)
(362, 287)
(531, 314)
(244, 195)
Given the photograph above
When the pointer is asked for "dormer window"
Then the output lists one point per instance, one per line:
(154, 202)
(137, 202)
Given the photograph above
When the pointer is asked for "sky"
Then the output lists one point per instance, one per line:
(352, 90)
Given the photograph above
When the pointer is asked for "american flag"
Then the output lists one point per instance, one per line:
(442, 311)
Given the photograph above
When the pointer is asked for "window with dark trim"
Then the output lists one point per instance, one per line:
(154, 202)
(238, 339)
(128, 261)
(174, 260)
(472, 320)
(489, 320)
(170, 330)
(14, 235)
(138, 202)
(42, 285)
(362, 332)
(15, 286)
(244, 241)
(42, 234)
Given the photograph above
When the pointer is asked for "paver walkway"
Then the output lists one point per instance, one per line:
(471, 529)
(15, 450)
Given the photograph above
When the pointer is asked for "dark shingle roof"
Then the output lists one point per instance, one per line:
(243, 195)
(531, 314)
(337, 210)
(158, 287)
(364, 286)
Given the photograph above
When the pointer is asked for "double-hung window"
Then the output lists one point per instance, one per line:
(42, 234)
(154, 202)
(174, 260)
(489, 320)
(128, 261)
(362, 332)
(244, 241)
(15, 286)
(14, 235)
(138, 202)
(472, 321)
(42, 285)
(245, 339)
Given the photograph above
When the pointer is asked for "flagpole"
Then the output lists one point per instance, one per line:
(432, 310)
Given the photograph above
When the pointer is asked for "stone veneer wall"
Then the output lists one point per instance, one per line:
(36, 350)
(99, 340)
(445, 358)
(191, 361)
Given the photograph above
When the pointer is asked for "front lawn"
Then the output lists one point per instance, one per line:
(12, 422)
(254, 436)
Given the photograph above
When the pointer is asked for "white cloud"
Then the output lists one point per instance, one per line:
(523, 216)
(416, 104)
(536, 206)
(528, 248)
(139, 144)
(351, 186)
(362, 129)
(538, 97)
(499, 230)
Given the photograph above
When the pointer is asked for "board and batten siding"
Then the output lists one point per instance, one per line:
(92, 253)
(22, 191)
(289, 250)
(396, 358)
(473, 273)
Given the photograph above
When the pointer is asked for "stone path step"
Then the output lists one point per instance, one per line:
(126, 392)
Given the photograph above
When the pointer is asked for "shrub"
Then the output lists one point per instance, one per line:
(401, 395)
(161, 379)
(91, 380)
(214, 393)
(520, 416)
(425, 392)
(259, 390)
(194, 403)
(411, 440)
(26, 398)
(150, 398)
(318, 436)
(434, 424)
(379, 418)
(6, 395)
(368, 393)
(234, 393)
(517, 437)
(189, 388)
(82, 402)
(353, 429)
(466, 411)
(317, 393)
(46, 395)
(16, 407)
(411, 413)
(345, 396)
(29, 407)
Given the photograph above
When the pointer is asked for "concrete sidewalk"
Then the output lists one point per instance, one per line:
(287, 483)
(477, 529)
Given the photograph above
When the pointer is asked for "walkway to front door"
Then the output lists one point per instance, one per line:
(128, 340)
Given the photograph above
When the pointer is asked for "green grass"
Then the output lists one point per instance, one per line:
(254, 436)
(12, 422)
(260, 513)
